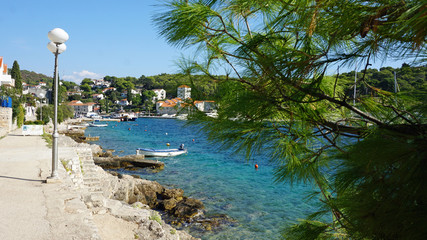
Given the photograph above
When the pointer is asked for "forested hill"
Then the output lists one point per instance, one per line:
(408, 79)
(33, 78)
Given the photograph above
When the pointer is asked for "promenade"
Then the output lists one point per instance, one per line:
(31, 209)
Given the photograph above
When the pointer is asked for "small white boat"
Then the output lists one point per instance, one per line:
(149, 152)
(97, 125)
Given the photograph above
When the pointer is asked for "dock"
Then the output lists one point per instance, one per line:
(128, 161)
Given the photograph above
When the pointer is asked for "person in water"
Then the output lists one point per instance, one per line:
(181, 147)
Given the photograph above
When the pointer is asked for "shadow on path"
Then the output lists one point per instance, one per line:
(23, 179)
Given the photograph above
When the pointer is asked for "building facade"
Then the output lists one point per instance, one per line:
(160, 95)
(81, 109)
(184, 92)
(5, 78)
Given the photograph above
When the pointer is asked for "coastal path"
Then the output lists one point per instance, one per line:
(30, 208)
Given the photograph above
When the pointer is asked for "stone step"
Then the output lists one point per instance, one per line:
(91, 184)
(95, 190)
(91, 179)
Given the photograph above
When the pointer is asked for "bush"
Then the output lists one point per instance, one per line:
(37, 122)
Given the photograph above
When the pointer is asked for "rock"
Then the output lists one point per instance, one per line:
(129, 161)
(146, 192)
(169, 204)
(139, 205)
(188, 208)
(173, 193)
(96, 149)
(136, 176)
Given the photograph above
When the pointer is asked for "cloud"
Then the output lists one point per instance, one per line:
(77, 77)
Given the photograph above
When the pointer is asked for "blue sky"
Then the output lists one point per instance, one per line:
(115, 38)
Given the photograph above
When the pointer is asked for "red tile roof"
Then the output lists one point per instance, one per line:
(183, 86)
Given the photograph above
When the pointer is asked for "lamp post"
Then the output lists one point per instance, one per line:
(41, 106)
(58, 37)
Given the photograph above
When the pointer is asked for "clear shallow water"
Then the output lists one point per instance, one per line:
(225, 182)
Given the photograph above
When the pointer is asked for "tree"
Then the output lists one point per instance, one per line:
(129, 93)
(147, 98)
(20, 118)
(87, 81)
(16, 74)
(276, 54)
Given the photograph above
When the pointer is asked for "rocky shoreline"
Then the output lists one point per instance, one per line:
(111, 191)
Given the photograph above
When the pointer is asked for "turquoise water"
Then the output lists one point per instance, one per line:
(225, 182)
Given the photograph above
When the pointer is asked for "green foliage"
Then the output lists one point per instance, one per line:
(20, 116)
(64, 112)
(86, 81)
(37, 122)
(48, 139)
(16, 74)
(408, 79)
(69, 85)
(33, 78)
(275, 98)
(381, 179)
(156, 217)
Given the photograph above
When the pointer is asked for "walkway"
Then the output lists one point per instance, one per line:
(31, 209)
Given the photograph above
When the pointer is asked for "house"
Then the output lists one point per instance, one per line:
(71, 93)
(100, 83)
(125, 93)
(205, 106)
(5, 79)
(184, 92)
(123, 102)
(160, 95)
(81, 109)
(108, 89)
(97, 96)
(42, 84)
(171, 107)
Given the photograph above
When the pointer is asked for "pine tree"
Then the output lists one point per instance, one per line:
(16, 74)
(367, 159)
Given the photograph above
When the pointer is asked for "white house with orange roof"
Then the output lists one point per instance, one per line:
(80, 108)
(98, 96)
(184, 92)
(170, 107)
(108, 89)
(5, 78)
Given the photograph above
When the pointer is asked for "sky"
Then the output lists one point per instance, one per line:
(114, 38)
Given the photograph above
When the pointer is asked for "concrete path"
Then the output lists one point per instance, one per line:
(31, 209)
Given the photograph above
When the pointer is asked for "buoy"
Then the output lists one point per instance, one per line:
(193, 139)
(167, 144)
(166, 133)
(256, 166)
(145, 129)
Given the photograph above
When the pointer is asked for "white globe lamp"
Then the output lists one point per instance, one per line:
(52, 47)
(58, 35)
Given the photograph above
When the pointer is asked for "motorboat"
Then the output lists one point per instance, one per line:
(98, 125)
(149, 152)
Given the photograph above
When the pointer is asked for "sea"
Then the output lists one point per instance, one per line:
(225, 182)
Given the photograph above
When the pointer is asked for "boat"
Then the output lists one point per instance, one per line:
(97, 125)
(124, 117)
(149, 152)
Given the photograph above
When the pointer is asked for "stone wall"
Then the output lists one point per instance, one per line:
(5, 121)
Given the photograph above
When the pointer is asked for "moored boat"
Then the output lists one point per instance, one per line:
(97, 125)
(149, 152)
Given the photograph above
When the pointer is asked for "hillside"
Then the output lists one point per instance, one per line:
(33, 78)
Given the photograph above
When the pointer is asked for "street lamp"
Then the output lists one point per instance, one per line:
(58, 37)
(41, 106)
